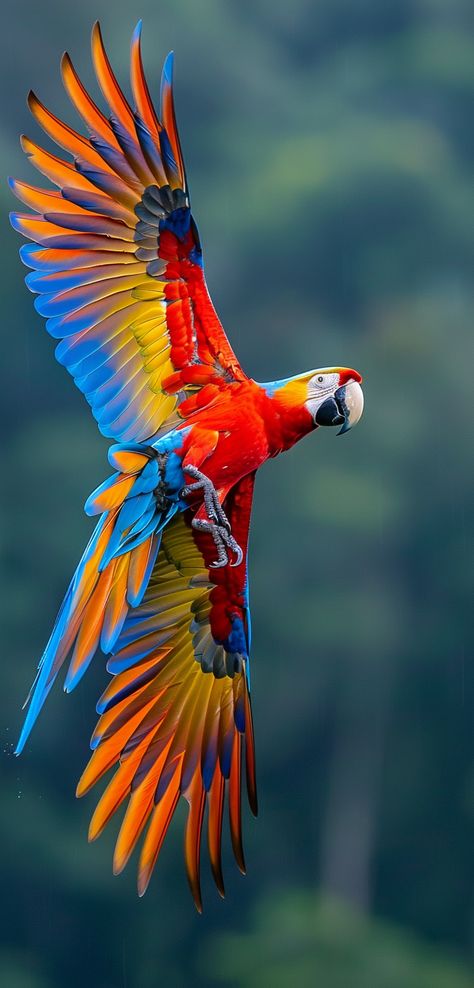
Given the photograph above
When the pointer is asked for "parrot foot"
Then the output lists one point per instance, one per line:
(213, 507)
(223, 540)
(218, 525)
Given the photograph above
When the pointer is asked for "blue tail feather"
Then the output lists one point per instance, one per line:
(137, 520)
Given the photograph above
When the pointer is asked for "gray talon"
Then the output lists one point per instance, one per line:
(214, 509)
(218, 525)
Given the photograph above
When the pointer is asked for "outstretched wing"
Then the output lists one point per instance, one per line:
(116, 257)
(177, 714)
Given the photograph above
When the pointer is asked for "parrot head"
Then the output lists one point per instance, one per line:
(328, 396)
(335, 397)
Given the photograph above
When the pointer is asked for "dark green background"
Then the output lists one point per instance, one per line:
(330, 147)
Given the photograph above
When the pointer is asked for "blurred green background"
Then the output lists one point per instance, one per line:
(330, 148)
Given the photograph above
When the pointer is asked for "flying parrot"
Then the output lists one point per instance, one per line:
(162, 586)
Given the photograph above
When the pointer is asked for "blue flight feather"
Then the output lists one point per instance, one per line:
(135, 599)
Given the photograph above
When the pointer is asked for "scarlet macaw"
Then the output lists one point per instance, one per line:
(162, 586)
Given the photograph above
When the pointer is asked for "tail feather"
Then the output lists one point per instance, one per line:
(111, 577)
(63, 634)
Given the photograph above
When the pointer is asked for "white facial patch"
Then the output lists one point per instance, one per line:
(320, 387)
(322, 384)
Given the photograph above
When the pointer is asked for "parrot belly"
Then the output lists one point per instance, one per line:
(226, 441)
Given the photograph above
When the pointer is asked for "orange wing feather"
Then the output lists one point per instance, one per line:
(174, 729)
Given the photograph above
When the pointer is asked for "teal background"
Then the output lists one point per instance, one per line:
(330, 149)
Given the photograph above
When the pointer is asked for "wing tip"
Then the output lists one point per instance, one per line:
(27, 728)
(137, 31)
(81, 787)
(195, 887)
(216, 868)
(143, 881)
(15, 222)
(74, 676)
(96, 38)
(25, 252)
(167, 71)
(252, 796)
(20, 745)
(67, 70)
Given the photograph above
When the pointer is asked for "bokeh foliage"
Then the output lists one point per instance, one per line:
(330, 151)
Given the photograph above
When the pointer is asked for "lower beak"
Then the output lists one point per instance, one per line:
(350, 401)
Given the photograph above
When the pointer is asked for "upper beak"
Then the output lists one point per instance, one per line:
(350, 401)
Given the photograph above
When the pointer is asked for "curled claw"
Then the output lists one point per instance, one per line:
(232, 544)
(218, 524)
(225, 537)
(223, 540)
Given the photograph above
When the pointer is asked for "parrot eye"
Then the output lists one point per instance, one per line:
(320, 381)
(323, 382)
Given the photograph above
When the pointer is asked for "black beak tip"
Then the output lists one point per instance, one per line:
(345, 428)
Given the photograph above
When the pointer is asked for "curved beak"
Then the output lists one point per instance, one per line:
(344, 408)
(350, 401)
